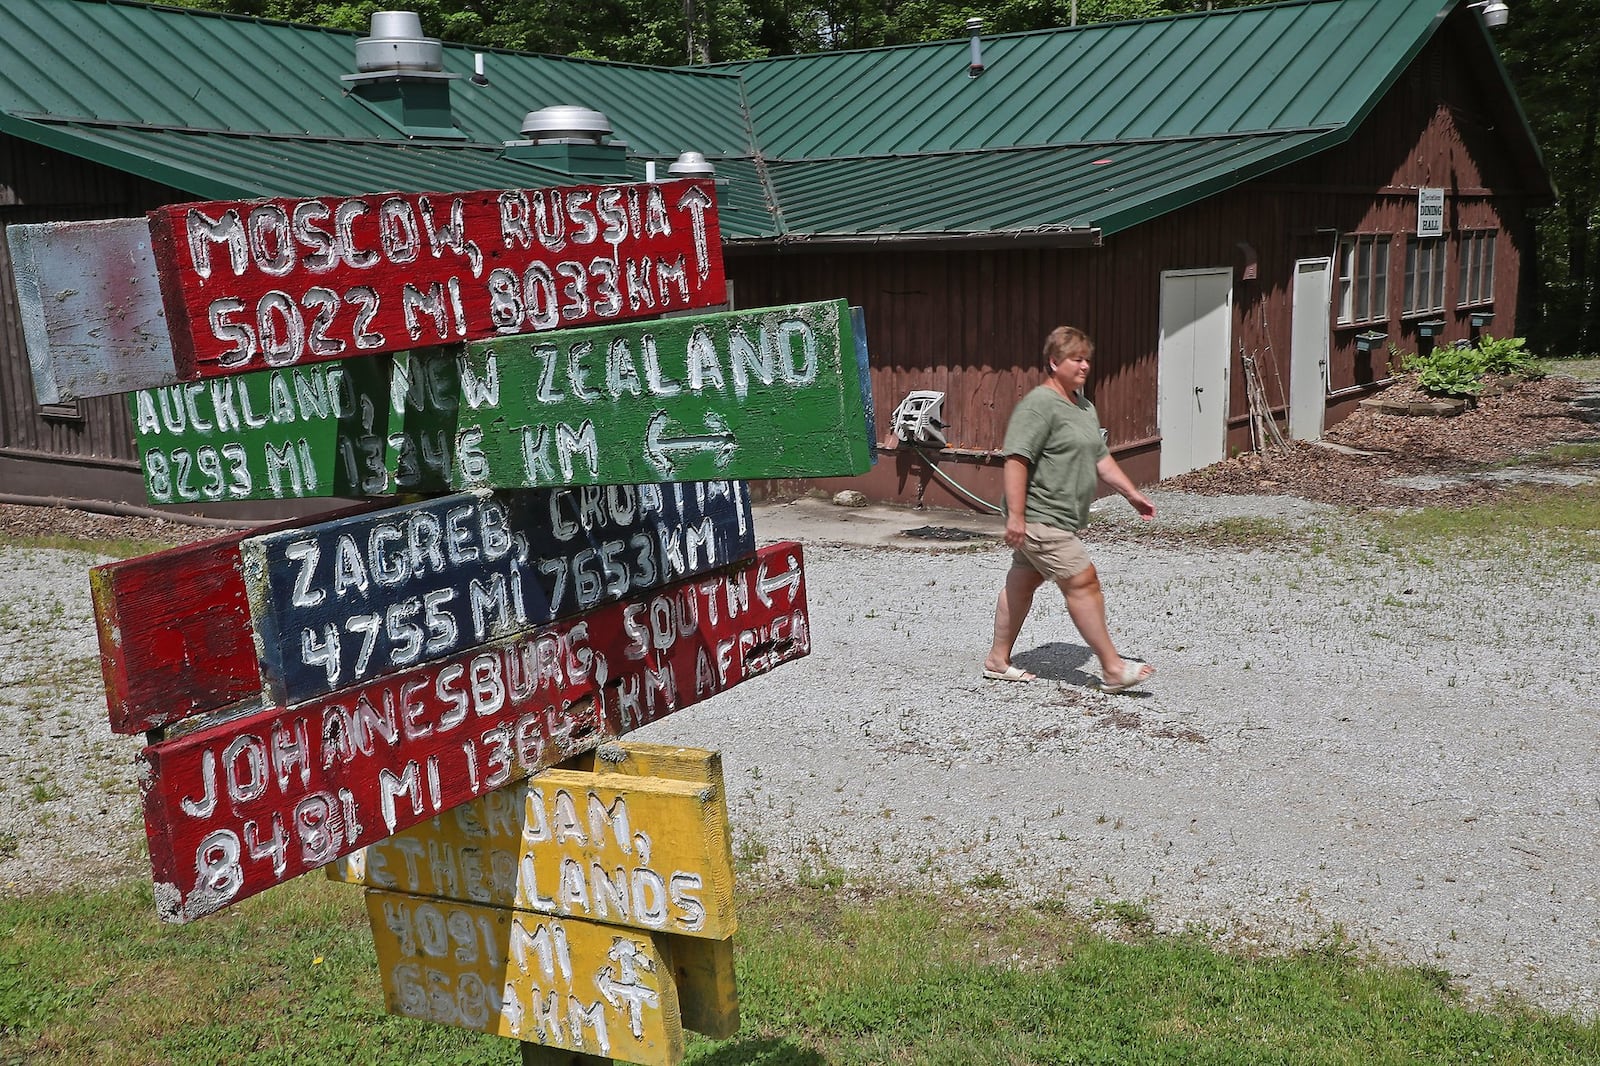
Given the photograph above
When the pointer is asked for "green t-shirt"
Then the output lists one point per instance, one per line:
(1060, 439)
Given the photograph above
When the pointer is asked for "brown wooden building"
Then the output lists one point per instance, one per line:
(1215, 198)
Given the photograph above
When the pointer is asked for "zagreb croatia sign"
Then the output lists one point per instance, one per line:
(424, 692)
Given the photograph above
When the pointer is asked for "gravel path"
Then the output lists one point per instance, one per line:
(1339, 742)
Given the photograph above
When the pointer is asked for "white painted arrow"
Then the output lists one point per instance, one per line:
(658, 447)
(766, 586)
(695, 201)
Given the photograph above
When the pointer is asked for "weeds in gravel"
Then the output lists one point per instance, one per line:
(1560, 523)
(89, 547)
(825, 976)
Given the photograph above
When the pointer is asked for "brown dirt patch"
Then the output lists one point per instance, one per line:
(1511, 420)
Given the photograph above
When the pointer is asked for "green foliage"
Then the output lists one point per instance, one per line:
(825, 976)
(1461, 371)
(1507, 356)
(1448, 371)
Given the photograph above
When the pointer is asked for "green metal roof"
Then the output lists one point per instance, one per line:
(1295, 66)
(1081, 131)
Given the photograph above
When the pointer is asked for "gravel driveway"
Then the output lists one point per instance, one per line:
(1347, 741)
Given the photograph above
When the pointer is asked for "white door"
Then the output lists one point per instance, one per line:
(1196, 332)
(1308, 348)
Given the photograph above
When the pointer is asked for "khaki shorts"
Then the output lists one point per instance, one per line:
(1055, 553)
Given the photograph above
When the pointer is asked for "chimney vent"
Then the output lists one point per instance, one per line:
(397, 44)
(975, 63)
(691, 165)
(400, 76)
(573, 139)
(566, 124)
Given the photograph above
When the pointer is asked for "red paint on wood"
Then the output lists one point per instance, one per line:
(246, 804)
(250, 285)
(174, 632)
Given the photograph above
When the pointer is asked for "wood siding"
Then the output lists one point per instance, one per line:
(970, 323)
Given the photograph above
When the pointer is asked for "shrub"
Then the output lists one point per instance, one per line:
(1460, 371)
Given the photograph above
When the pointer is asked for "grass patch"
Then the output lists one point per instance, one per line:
(115, 548)
(1239, 533)
(1555, 521)
(1584, 368)
(1581, 454)
(825, 978)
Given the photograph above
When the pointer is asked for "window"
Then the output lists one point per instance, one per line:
(1424, 275)
(1363, 280)
(1477, 268)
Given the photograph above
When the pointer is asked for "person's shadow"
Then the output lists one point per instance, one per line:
(1070, 663)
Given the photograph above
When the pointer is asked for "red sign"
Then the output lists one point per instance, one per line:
(238, 807)
(251, 285)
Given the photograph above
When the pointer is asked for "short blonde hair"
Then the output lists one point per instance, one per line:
(1063, 341)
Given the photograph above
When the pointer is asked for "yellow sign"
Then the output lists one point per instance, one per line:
(594, 989)
(646, 852)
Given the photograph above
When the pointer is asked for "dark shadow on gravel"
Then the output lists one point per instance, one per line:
(1058, 661)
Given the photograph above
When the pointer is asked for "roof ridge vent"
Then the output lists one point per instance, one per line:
(400, 76)
(566, 124)
(396, 44)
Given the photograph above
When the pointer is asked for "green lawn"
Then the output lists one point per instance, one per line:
(825, 977)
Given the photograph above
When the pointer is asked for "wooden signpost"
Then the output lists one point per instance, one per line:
(159, 615)
(643, 848)
(239, 806)
(380, 683)
(343, 601)
(261, 284)
(776, 390)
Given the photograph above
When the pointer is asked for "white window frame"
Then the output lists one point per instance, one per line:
(1427, 261)
(1364, 261)
(1475, 277)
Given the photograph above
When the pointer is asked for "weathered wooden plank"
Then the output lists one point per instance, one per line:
(176, 629)
(91, 308)
(249, 802)
(769, 393)
(250, 285)
(557, 982)
(647, 853)
(708, 989)
(336, 603)
(297, 433)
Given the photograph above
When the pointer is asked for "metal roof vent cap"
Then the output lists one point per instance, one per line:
(692, 165)
(396, 43)
(566, 124)
(975, 63)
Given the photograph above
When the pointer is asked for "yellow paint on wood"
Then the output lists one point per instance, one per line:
(639, 851)
(566, 984)
(708, 995)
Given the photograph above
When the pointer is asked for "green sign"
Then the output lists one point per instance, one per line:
(363, 427)
(769, 393)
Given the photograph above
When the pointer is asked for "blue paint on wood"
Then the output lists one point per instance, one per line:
(340, 602)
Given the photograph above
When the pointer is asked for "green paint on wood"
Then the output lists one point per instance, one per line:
(344, 429)
(768, 393)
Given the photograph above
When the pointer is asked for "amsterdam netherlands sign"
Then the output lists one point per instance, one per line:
(645, 849)
(239, 806)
